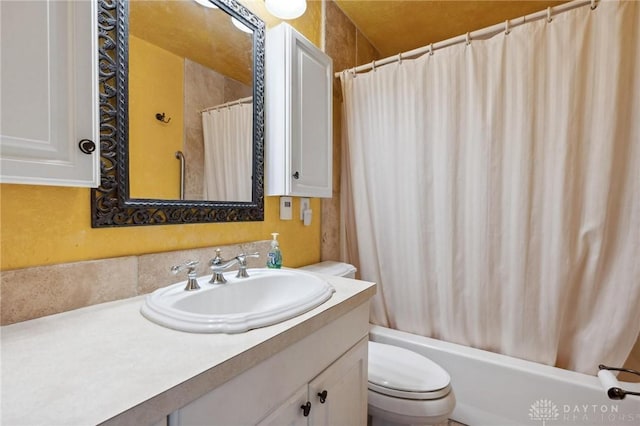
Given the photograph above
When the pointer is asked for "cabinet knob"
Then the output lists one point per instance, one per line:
(296, 175)
(323, 396)
(306, 408)
(87, 146)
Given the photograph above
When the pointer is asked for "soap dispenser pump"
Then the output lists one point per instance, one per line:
(274, 258)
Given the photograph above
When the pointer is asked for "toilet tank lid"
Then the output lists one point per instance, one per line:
(330, 267)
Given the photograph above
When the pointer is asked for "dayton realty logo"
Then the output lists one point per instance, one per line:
(543, 410)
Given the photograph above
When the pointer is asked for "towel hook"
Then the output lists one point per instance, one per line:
(161, 117)
(549, 19)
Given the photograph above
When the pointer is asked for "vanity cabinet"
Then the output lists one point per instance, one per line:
(298, 145)
(49, 107)
(337, 396)
(332, 359)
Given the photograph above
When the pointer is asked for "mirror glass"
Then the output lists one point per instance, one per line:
(195, 93)
(190, 102)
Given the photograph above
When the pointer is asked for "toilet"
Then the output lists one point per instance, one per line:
(405, 388)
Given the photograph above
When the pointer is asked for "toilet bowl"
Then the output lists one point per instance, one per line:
(404, 387)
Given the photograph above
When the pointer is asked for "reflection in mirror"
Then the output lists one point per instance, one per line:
(193, 64)
(169, 110)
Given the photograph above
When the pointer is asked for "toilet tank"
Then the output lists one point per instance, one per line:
(329, 267)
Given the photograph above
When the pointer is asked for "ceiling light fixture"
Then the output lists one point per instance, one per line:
(239, 25)
(206, 3)
(286, 9)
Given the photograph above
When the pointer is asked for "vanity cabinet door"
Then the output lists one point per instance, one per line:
(343, 388)
(337, 396)
(299, 121)
(290, 413)
(49, 93)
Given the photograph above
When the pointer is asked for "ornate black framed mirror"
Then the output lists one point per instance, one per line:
(131, 191)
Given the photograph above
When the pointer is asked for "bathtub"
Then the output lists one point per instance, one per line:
(493, 389)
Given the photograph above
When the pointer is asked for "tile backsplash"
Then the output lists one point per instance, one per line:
(46, 290)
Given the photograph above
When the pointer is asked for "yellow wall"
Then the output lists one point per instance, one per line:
(156, 79)
(43, 225)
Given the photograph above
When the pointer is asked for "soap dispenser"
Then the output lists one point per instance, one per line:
(274, 258)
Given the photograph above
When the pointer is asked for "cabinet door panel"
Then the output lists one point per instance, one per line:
(299, 146)
(49, 92)
(345, 383)
(289, 413)
(311, 123)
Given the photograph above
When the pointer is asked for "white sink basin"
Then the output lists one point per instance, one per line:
(267, 297)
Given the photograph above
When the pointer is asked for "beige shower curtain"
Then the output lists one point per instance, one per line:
(228, 152)
(494, 189)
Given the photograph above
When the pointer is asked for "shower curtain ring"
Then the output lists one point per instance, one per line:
(431, 49)
(399, 58)
(373, 66)
(549, 19)
(594, 4)
(468, 37)
(507, 30)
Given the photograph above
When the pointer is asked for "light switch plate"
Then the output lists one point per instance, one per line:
(307, 217)
(305, 204)
(286, 208)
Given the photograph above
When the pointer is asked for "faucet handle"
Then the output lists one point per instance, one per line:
(242, 257)
(242, 262)
(190, 266)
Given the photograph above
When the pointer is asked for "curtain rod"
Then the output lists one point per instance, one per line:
(228, 104)
(482, 34)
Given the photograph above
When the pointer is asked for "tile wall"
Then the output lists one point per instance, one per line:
(346, 45)
(46, 290)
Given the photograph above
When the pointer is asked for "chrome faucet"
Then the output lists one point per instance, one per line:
(192, 282)
(219, 265)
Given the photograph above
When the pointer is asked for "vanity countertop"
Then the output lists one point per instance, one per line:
(107, 363)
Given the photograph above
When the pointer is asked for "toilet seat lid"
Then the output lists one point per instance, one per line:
(392, 368)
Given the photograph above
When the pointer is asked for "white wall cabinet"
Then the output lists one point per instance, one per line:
(273, 392)
(49, 86)
(298, 116)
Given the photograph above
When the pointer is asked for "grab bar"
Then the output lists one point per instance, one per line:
(180, 156)
(611, 384)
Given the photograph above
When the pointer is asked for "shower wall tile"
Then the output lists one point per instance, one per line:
(348, 48)
(194, 170)
(46, 290)
(365, 52)
(203, 88)
(330, 244)
(340, 42)
(234, 90)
